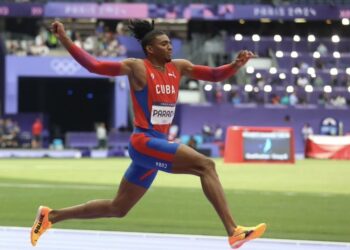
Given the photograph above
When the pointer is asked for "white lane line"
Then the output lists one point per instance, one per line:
(53, 186)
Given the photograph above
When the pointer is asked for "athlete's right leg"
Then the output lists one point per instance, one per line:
(128, 195)
(133, 186)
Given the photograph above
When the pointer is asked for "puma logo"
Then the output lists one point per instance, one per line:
(172, 74)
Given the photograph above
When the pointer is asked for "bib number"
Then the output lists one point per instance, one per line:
(162, 114)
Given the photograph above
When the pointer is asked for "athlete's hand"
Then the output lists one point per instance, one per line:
(57, 29)
(243, 57)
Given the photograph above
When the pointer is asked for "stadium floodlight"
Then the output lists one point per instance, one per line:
(227, 87)
(273, 70)
(290, 89)
(279, 53)
(309, 88)
(267, 88)
(336, 54)
(282, 76)
(333, 71)
(335, 39)
(349, 89)
(345, 21)
(277, 38)
(256, 89)
(258, 75)
(238, 37)
(327, 89)
(294, 54)
(208, 87)
(311, 38)
(250, 70)
(256, 38)
(296, 38)
(316, 54)
(347, 71)
(295, 71)
(311, 71)
(248, 88)
(313, 75)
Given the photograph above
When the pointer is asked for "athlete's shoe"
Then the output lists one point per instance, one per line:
(244, 234)
(41, 224)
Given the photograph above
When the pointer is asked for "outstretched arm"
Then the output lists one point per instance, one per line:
(85, 59)
(214, 74)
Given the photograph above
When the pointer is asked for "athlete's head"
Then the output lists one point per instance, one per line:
(154, 42)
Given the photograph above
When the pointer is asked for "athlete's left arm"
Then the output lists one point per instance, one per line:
(213, 74)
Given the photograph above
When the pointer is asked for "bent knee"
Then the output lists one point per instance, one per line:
(116, 211)
(207, 166)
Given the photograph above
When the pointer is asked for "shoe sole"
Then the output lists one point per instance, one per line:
(256, 234)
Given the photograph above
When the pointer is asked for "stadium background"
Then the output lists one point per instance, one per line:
(300, 77)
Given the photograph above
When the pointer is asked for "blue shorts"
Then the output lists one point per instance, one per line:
(150, 151)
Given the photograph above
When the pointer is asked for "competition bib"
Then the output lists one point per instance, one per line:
(162, 113)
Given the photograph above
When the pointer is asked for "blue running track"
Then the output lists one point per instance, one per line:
(15, 238)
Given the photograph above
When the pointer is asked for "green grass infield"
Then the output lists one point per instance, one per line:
(309, 200)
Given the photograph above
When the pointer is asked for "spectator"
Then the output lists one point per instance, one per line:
(338, 101)
(173, 132)
(317, 81)
(322, 49)
(293, 99)
(101, 134)
(37, 129)
(235, 98)
(322, 99)
(307, 131)
(218, 133)
(192, 142)
(207, 133)
(285, 100)
(275, 99)
(302, 81)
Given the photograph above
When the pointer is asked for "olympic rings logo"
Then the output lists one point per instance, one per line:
(64, 66)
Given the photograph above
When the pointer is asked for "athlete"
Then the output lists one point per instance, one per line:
(154, 84)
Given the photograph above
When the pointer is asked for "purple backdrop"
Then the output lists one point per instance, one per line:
(192, 117)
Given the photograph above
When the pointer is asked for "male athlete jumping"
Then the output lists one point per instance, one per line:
(154, 84)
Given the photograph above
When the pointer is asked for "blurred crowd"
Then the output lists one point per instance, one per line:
(11, 135)
(103, 42)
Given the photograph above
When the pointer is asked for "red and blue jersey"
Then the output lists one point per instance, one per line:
(154, 106)
(154, 109)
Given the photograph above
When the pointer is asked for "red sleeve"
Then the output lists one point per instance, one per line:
(92, 64)
(213, 74)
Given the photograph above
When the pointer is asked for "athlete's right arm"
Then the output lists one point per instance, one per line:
(86, 60)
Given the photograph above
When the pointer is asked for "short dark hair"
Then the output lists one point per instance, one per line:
(144, 31)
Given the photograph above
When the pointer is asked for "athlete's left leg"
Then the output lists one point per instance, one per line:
(189, 161)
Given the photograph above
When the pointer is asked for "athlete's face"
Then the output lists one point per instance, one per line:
(161, 48)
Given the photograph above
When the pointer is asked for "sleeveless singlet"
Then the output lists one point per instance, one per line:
(154, 106)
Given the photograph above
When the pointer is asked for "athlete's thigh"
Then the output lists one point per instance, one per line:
(187, 160)
(128, 195)
(134, 185)
(140, 175)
